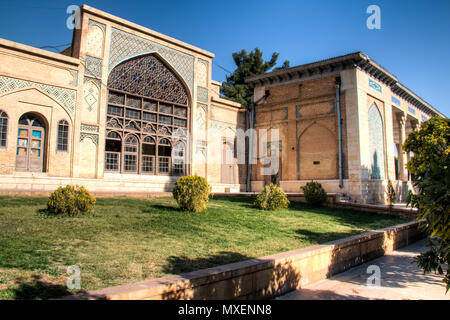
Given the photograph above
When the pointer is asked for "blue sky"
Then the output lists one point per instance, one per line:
(413, 43)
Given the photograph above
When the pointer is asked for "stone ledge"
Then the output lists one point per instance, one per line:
(268, 276)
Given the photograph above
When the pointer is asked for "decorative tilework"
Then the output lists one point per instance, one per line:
(98, 82)
(395, 101)
(94, 39)
(88, 128)
(202, 73)
(74, 74)
(90, 95)
(219, 125)
(297, 111)
(374, 85)
(376, 143)
(202, 94)
(65, 97)
(98, 24)
(92, 136)
(200, 120)
(125, 46)
(93, 66)
(411, 110)
(148, 76)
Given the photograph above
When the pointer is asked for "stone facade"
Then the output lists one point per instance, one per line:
(127, 109)
(75, 86)
(377, 113)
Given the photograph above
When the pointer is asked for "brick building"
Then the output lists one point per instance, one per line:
(126, 109)
(355, 156)
(123, 109)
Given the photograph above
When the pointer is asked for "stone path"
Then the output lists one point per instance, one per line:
(400, 280)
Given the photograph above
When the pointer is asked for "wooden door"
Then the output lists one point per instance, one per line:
(228, 162)
(30, 145)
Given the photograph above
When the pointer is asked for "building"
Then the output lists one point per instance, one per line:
(124, 109)
(127, 110)
(355, 156)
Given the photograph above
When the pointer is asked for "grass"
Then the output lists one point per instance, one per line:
(129, 240)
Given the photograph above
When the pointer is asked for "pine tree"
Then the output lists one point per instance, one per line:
(248, 64)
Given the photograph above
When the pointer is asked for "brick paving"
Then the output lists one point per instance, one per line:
(400, 280)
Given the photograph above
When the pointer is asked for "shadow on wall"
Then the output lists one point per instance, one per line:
(271, 281)
(177, 265)
(268, 278)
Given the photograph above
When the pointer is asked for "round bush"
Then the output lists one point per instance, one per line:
(192, 193)
(271, 197)
(314, 193)
(71, 201)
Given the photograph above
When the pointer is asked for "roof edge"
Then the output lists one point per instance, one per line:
(145, 30)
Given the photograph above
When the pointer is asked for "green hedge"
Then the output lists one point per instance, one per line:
(192, 193)
(71, 201)
(271, 197)
(314, 193)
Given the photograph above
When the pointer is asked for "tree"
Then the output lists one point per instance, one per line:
(430, 165)
(248, 64)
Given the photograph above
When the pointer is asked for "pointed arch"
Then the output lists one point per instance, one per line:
(376, 143)
(317, 153)
(151, 76)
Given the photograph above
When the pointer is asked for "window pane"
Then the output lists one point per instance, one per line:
(147, 163)
(3, 131)
(150, 105)
(163, 165)
(117, 98)
(165, 108)
(149, 116)
(179, 122)
(180, 111)
(115, 111)
(165, 119)
(130, 162)
(133, 114)
(112, 161)
(134, 102)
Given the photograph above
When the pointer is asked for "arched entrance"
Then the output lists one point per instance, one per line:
(147, 119)
(31, 144)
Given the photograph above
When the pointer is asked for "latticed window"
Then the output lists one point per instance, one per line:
(63, 135)
(147, 108)
(3, 128)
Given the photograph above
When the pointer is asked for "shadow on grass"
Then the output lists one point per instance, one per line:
(321, 237)
(39, 289)
(183, 264)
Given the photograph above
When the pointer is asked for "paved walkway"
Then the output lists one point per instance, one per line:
(400, 280)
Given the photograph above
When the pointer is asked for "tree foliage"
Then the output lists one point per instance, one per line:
(247, 64)
(430, 165)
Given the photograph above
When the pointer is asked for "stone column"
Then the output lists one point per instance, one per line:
(402, 156)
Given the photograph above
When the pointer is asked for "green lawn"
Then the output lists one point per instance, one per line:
(129, 240)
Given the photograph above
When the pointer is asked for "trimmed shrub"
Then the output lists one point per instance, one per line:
(271, 197)
(71, 201)
(314, 193)
(192, 193)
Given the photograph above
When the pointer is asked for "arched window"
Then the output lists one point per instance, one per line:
(148, 102)
(63, 135)
(3, 128)
(130, 154)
